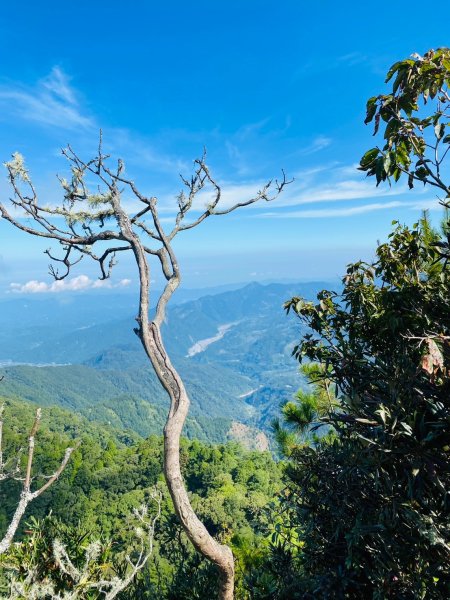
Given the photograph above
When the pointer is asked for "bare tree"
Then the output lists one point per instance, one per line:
(11, 470)
(88, 219)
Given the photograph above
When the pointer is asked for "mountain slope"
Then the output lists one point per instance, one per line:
(232, 349)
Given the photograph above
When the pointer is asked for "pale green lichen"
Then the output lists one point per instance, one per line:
(65, 184)
(77, 173)
(93, 552)
(96, 199)
(16, 166)
(83, 216)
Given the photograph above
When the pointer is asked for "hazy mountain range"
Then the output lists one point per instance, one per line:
(233, 349)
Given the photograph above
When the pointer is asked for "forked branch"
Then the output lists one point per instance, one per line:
(27, 495)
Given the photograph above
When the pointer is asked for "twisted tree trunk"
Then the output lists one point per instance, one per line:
(219, 554)
(150, 336)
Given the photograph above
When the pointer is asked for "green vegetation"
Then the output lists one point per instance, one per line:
(128, 399)
(363, 510)
(368, 501)
(109, 379)
(111, 473)
(415, 119)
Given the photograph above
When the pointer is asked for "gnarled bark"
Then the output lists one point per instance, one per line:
(150, 336)
(221, 555)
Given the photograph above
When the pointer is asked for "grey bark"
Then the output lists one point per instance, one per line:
(150, 336)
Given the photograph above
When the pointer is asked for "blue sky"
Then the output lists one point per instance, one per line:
(263, 85)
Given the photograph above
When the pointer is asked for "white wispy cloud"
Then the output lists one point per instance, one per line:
(55, 102)
(51, 101)
(322, 184)
(249, 130)
(140, 152)
(318, 143)
(76, 284)
(352, 58)
(238, 159)
(348, 211)
(340, 186)
(323, 64)
(349, 189)
(58, 84)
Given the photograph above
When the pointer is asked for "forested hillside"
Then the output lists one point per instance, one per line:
(102, 372)
(113, 472)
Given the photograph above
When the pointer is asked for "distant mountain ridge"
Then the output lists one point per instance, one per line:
(240, 372)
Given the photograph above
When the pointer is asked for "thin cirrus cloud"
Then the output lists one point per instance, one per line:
(323, 64)
(307, 188)
(76, 284)
(350, 189)
(51, 101)
(54, 101)
(319, 143)
(138, 151)
(352, 210)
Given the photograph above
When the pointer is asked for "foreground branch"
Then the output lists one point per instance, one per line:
(94, 576)
(26, 495)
